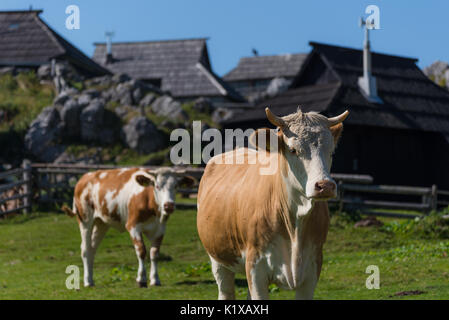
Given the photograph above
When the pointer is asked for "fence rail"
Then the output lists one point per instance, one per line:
(16, 194)
(46, 183)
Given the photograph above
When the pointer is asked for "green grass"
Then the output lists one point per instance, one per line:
(35, 251)
(23, 98)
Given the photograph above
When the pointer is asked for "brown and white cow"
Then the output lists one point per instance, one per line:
(271, 227)
(135, 200)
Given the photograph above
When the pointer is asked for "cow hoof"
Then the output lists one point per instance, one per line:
(89, 285)
(142, 284)
(156, 283)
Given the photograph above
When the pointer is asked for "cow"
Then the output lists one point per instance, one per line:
(129, 199)
(271, 227)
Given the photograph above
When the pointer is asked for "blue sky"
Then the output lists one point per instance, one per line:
(411, 28)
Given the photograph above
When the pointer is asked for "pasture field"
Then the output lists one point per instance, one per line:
(36, 249)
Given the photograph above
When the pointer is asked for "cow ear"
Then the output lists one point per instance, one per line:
(187, 181)
(336, 131)
(144, 180)
(269, 135)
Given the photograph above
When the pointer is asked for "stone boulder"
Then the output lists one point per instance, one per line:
(276, 86)
(168, 107)
(203, 105)
(147, 100)
(70, 116)
(41, 139)
(91, 119)
(141, 135)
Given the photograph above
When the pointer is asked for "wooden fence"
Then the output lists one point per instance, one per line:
(50, 184)
(15, 192)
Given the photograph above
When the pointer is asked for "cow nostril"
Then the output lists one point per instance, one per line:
(325, 186)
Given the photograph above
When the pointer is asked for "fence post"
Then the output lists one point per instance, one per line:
(27, 187)
(434, 197)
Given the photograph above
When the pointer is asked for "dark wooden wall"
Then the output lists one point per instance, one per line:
(393, 156)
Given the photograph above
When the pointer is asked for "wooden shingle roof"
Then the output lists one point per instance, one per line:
(266, 67)
(410, 99)
(182, 66)
(26, 40)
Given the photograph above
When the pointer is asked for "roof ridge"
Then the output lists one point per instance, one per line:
(38, 11)
(313, 44)
(153, 41)
(211, 78)
(275, 55)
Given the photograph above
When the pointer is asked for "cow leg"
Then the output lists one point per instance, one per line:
(256, 274)
(154, 255)
(87, 252)
(312, 271)
(99, 231)
(225, 280)
(141, 253)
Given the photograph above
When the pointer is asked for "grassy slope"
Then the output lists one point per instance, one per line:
(35, 251)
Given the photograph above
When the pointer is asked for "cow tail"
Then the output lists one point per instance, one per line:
(72, 212)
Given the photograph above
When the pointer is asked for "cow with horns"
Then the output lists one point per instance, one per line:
(271, 227)
(133, 199)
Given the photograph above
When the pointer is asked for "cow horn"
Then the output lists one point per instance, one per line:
(275, 120)
(336, 120)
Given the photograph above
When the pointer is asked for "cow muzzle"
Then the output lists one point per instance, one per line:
(169, 207)
(324, 189)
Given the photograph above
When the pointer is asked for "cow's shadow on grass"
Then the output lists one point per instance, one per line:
(241, 283)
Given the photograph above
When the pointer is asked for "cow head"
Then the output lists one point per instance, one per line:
(308, 141)
(165, 181)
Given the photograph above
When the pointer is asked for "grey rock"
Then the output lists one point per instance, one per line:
(147, 100)
(92, 120)
(61, 99)
(6, 70)
(137, 95)
(141, 134)
(44, 72)
(203, 105)
(70, 116)
(276, 86)
(42, 137)
(222, 114)
(120, 78)
(168, 107)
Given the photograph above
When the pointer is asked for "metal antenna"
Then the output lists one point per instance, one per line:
(109, 35)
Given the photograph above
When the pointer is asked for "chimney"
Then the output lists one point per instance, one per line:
(109, 57)
(367, 83)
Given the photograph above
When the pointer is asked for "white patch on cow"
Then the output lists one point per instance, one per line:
(123, 170)
(103, 175)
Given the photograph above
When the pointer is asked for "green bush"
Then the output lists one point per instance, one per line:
(433, 226)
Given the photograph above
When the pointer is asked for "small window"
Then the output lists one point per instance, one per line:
(13, 26)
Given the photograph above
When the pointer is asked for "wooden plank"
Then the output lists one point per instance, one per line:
(403, 190)
(185, 206)
(11, 173)
(443, 192)
(388, 204)
(390, 214)
(443, 203)
(353, 178)
(18, 196)
(14, 210)
(188, 191)
(5, 187)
